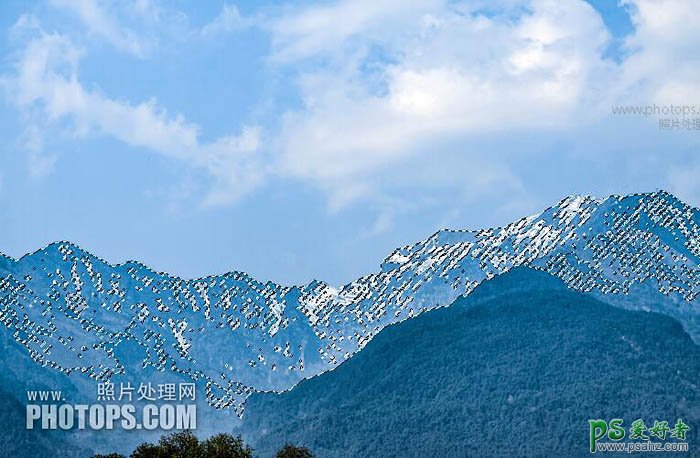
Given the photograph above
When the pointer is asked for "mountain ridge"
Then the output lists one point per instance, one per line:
(517, 368)
(624, 247)
(147, 267)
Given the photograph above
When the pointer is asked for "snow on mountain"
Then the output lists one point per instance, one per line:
(233, 335)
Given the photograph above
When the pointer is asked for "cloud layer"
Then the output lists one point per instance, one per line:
(387, 89)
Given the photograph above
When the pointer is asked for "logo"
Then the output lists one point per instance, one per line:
(163, 406)
(607, 436)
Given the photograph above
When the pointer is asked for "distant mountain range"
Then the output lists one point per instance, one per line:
(517, 368)
(75, 314)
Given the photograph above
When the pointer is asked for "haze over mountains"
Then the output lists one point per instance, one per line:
(77, 314)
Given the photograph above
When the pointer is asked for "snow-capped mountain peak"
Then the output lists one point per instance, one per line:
(78, 314)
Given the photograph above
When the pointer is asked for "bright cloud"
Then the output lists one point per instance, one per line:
(451, 70)
(663, 61)
(452, 73)
(388, 88)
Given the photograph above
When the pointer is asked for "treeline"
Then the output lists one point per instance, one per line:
(187, 445)
(519, 375)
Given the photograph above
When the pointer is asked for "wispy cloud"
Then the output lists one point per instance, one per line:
(47, 89)
(395, 96)
(100, 20)
(327, 28)
(228, 20)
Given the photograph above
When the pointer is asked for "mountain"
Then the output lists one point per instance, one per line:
(75, 313)
(21, 374)
(517, 368)
(17, 442)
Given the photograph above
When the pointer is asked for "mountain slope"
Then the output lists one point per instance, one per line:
(18, 442)
(75, 313)
(515, 369)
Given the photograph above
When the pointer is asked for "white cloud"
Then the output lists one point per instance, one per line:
(228, 20)
(387, 83)
(48, 91)
(390, 89)
(664, 64)
(447, 74)
(327, 28)
(100, 19)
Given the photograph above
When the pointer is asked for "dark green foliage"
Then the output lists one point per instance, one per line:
(186, 445)
(515, 369)
(181, 444)
(292, 451)
(226, 446)
(150, 451)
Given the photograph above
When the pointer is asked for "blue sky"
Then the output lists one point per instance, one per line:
(306, 140)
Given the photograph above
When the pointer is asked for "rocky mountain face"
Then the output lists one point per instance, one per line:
(76, 313)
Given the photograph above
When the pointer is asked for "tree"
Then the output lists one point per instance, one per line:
(186, 445)
(149, 451)
(226, 446)
(292, 451)
(181, 445)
